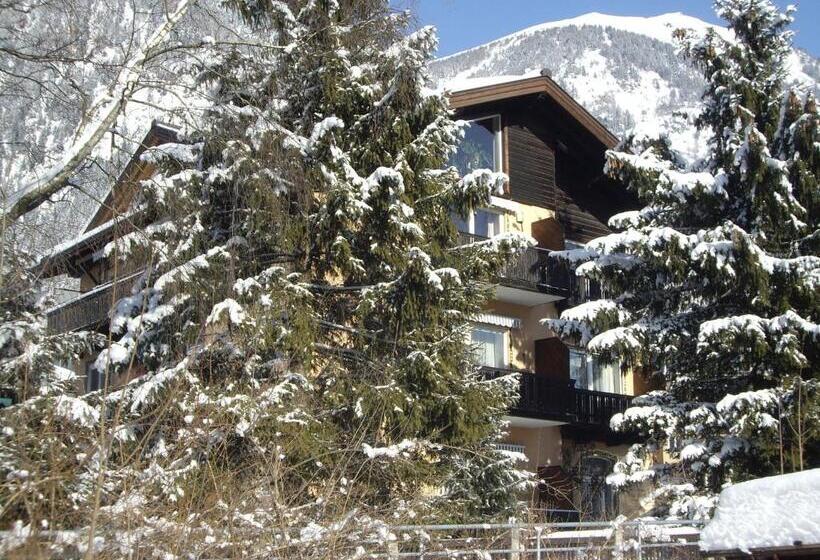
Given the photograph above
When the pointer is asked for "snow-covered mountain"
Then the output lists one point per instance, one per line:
(625, 70)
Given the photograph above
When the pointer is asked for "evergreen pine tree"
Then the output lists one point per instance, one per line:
(33, 362)
(712, 285)
(302, 322)
(35, 377)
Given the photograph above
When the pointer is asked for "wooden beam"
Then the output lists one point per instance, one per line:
(528, 86)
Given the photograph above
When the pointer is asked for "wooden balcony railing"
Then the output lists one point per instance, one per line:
(577, 289)
(597, 407)
(529, 270)
(91, 308)
(543, 398)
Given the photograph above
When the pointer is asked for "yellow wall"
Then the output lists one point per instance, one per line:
(541, 445)
(521, 218)
(521, 341)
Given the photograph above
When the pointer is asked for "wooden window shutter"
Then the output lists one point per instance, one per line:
(552, 359)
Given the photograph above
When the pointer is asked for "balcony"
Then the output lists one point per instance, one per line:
(90, 309)
(527, 279)
(542, 398)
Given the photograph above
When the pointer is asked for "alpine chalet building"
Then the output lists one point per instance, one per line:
(552, 150)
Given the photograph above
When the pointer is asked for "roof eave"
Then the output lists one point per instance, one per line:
(528, 86)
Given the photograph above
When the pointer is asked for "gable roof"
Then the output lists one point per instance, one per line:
(121, 193)
(471, 92)
(112, 216)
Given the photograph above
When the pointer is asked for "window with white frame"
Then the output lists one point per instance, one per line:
(591, 373)
(481, 146)
(481, 223)
(490, 345)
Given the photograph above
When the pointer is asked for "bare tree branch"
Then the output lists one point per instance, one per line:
(40, 190)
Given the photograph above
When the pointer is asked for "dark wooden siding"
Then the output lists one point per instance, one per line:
(122, 194)
(579, 225)
(531, 167)
(553, 164)
(545, 175)
(552, 359)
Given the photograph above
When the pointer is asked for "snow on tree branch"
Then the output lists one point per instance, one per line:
(98, 120)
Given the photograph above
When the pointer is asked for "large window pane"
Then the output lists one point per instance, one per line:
(593, 374)
(578, 368)
(487, 224)
(482, 223)
(489, 347)
(478, 149)
(606, 377)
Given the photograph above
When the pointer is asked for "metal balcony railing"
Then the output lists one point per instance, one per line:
(91, 308)
(546, 399)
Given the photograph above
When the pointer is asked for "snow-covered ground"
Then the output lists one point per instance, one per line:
(777, 511)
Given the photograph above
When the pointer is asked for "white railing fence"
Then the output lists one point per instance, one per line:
(619, 540)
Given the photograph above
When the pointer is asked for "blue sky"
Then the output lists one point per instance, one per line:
(466, 23)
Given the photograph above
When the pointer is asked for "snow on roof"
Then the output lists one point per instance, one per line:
(97, 234)
(84, 237)
(772, 512)
(462, 84)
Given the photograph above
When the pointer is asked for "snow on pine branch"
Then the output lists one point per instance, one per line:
(751, 330)
(229, 308)
(583, 321)
(719, 247)
(400, 449)
(655, 178)
(481, 183)
(187, 154)
(619, 341)
(76, 411)
(146, 391)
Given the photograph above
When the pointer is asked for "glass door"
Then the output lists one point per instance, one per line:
(592, 374)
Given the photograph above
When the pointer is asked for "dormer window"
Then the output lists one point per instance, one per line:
(481, 146)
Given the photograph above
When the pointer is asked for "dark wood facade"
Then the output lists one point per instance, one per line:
(554, 159)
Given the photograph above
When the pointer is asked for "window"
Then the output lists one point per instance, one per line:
(590, 373)
(578, 368)
(486, 223)
(481, 223)
(94, 379)
(489, 345)
(481, 146)
(598, 501)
